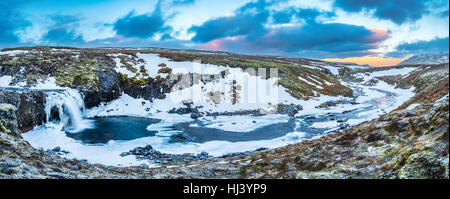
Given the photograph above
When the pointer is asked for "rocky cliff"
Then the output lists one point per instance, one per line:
(28, 107)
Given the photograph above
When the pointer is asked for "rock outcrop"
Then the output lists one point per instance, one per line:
(8, 119)
(109, 88)
(30, 105)
(148, 89)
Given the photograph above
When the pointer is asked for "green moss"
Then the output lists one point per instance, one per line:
(134, 80)
(125, 60)
(430, 129)
(255, 168)
(3, 129)
(143, 71)
(165, 70)
(6, 107)
(67, 69)
(403, 157)
(82, 72)
(10, 62)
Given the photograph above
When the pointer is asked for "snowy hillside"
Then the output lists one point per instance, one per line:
(432, 58)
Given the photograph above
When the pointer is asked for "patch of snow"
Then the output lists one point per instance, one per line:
(14, 52)
(328, 124)
(311, 67)
(394, 71)
(5, 80)
(125, 105)
(333, 69)
(312, 82)
(412, 106)
(353, 122)
(49, 83)
(356, 67)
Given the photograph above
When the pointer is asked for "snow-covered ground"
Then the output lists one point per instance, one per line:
(5, 80)
(14, 52)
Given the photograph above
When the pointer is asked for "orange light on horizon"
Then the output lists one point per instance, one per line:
(372, 61)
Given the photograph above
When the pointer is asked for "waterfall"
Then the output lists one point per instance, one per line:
(70, 108)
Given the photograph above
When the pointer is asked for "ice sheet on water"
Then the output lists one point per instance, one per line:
(244, 123)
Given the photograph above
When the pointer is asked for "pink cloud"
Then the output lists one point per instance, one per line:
(378, 35)
(219, 44)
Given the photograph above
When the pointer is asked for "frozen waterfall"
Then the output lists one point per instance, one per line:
(70, 108)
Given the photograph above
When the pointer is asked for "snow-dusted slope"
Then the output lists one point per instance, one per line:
(432, 58)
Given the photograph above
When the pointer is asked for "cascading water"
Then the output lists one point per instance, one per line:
(70, 107)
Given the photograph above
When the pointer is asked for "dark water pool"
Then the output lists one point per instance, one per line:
(115, 128)
(129, 128)
(201, 134)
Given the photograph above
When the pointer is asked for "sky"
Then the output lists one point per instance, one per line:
(374, 32)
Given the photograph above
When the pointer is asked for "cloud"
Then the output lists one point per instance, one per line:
(306, 14)
(11, 20)
(312, 40)
(421, 47)
(229, 26)
(63, 31)
(182, 2)
(120, 41)
(247, 20)
(398, 11)
(142, 26)
(247, 31)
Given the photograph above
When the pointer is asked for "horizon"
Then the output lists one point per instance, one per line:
(363, 32)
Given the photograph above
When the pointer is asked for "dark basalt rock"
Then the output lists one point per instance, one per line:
(148, 89)
(195, 113)
(396, 126)
(30, 105)
(54, 114)
(410, 114)
(262, 149)
(179, 137)
(31, 109)
(58, 151)
(149, 153)
(290, 110)
(375, 136)
(110, 84)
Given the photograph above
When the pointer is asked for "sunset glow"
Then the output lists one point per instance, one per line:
(372, 61)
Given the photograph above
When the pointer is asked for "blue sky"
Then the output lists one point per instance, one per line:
(318, 29)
